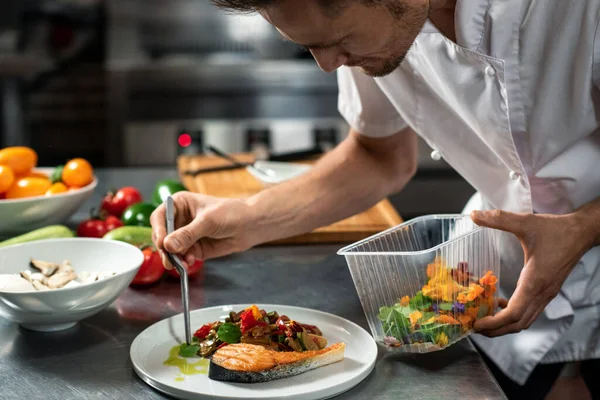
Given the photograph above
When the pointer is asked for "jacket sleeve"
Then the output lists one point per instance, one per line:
(364, 106)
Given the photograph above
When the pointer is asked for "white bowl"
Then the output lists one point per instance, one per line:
(281, 171)
(58, 309)
(23, 215)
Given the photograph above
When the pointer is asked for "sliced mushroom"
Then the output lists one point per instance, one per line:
(40, 286)
(46, 268)
(26, 275)
(59, 280)
(37, 276)
(65, 267)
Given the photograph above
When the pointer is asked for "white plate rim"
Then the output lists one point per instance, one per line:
(177, 393)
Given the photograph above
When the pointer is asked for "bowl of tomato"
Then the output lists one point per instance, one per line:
(32, 197)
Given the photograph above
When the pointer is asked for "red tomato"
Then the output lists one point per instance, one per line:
(152, 268)
(192, 271)
(116, 203)
(97, 227)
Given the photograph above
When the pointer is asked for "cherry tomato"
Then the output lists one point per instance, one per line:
(97, 227)
(20, 159)
(192, 270)
(28, 187)
(116, 203)
(57, 188)
(152, 268)
(7, 178)
(77, 172)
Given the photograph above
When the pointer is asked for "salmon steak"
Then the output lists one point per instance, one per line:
(250, 363)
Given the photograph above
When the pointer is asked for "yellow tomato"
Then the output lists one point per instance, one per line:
(6, 178)
(20, 159)
(57, 188)
(77, 172)
(28, 187)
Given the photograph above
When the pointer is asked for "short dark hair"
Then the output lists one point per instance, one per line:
(243, 5)
(332, 7)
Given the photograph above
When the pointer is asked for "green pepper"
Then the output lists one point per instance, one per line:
(165, 188)
(138, 214)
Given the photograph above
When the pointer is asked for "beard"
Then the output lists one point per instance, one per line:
(389, 66)
(409, 24)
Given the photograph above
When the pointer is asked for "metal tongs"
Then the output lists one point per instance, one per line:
(178, 264)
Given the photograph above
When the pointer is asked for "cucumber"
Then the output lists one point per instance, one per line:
(48, 232)
(135, 235)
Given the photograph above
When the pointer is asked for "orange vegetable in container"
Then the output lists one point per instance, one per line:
(20, 159)
(7, 177)
(77, 172)
(57, 188)
(28, 187)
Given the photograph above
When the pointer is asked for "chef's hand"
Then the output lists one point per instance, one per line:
(553, 244)
(205, 227)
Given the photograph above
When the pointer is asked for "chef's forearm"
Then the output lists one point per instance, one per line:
(353, 177)
(588, 217)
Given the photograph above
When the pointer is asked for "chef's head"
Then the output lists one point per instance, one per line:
(372, 34)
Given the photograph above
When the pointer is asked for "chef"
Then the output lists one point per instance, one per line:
(508, 93)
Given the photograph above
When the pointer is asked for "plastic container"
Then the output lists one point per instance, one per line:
(422, 284)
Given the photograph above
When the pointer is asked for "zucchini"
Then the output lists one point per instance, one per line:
(135, 235)
(320, 341)
(306, 341)
(48, 232)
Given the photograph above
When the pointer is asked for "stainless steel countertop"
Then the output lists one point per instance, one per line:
(92, 360)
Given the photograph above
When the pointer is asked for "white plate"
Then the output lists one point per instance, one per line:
(151, 348)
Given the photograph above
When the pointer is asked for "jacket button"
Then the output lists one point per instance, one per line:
(490, 71)
(436, 155)
(514, 175)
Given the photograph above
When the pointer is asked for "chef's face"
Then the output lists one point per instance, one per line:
(375, 38)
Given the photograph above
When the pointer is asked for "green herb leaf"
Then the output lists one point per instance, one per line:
(445, 306)
(427, 316)
(186, 350)
(229, 333)
(420, 302)
(56, 175)
(394, 322)
(384, 312)
(404, 310)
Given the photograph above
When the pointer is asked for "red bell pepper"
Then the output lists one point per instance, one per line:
(203, 331)
(248, 321)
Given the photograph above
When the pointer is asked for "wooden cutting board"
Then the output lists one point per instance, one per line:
(240, 183)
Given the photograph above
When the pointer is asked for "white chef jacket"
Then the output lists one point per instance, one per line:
(514, 107)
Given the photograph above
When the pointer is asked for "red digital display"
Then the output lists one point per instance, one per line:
(184, 140)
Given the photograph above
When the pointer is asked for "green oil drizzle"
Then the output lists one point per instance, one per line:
(180, 379)
(185, 367)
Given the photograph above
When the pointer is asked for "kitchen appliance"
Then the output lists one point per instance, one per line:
(184, 67)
